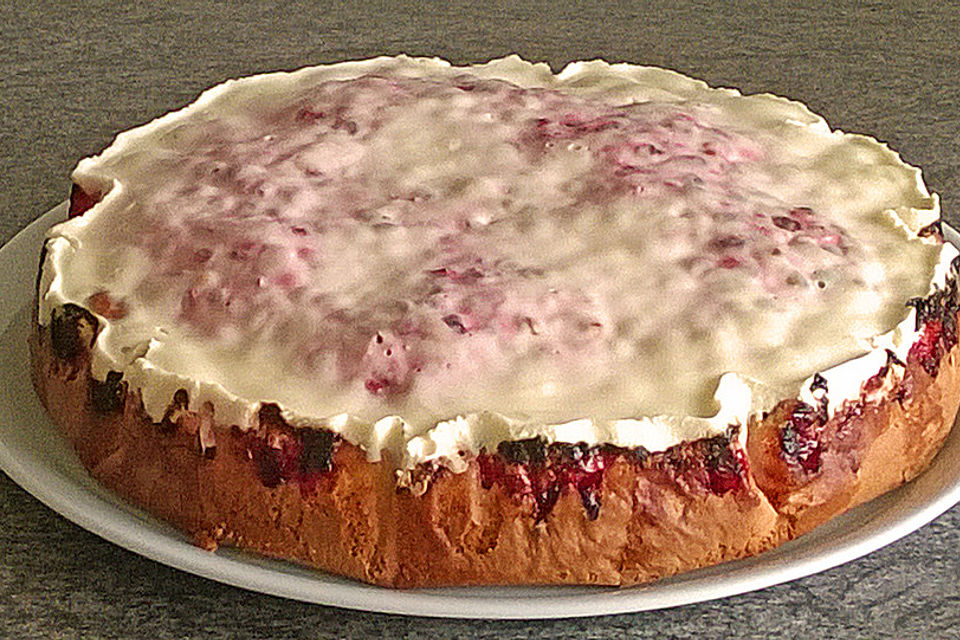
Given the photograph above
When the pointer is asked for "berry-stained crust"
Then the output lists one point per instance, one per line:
(422, 325)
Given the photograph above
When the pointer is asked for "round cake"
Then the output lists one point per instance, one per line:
(426, 325)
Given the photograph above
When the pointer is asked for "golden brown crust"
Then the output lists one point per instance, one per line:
(654, 521)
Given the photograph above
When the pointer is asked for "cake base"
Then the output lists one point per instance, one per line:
(657, 517)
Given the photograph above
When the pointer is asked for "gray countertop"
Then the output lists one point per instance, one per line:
(71, 77)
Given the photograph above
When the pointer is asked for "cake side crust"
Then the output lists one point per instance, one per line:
(354, 521)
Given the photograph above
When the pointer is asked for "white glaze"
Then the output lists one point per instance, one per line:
(601, 270)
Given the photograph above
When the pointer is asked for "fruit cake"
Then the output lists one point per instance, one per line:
(425, 325)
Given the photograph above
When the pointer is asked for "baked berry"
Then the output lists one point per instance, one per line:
(789, 224)
(268, 464)
(531, 451)
(531, 470)
(108, 396)
(932, 230)
(175, 412)
(928, 350)
(81, 201)
(727, 242)
(709, 464)
(72, 329)
(318, 448)
(936, 320)
(725, 467)
(591, 502)
(103, 304)
(285, 454)
(799, 437)
(818, 384)
(546, 497)
(453, 321)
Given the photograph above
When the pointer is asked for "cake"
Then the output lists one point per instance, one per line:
(425, 325)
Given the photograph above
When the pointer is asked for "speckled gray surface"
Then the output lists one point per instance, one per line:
(70, 78)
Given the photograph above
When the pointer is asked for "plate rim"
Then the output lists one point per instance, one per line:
(97, 510)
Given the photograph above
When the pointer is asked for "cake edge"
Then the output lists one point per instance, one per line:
(656, 519)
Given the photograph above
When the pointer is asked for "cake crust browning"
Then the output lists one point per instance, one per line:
(660, 514)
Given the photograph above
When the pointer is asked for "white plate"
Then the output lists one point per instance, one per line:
(38, 459)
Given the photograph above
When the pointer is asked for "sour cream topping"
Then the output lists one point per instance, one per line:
(431, 259)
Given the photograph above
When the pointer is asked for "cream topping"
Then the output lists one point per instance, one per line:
(431, 259)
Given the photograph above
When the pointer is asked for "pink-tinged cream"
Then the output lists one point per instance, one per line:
(431, 259)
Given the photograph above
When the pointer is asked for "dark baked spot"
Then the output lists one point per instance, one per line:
(43, 258)
(932, 230)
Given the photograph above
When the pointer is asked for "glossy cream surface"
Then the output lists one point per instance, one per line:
(432, 259)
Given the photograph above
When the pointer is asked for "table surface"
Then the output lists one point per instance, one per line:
(70, 78)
